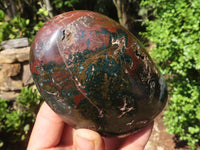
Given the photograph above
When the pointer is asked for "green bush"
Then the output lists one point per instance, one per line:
(17, 27)
(16, 119)
(12, 28)
(175, 33)
(59, 4)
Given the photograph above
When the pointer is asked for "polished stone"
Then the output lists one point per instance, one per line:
(95, 74)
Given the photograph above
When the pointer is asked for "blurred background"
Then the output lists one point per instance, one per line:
(170, 31)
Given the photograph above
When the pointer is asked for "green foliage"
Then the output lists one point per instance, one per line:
(102, 6)
(28, 98)
(32, 14)
(183, 115)
(60, 3)
(175, 32)
(17, 27)
(17, 119)
(14, 28)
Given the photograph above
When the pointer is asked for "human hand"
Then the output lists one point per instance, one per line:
(51, 133)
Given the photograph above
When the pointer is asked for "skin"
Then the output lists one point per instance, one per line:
(51, 133)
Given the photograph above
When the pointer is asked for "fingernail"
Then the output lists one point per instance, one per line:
(82, 143)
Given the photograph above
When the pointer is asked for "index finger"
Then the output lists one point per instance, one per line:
(47, 130)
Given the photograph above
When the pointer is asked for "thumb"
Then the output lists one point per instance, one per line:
(87, 139)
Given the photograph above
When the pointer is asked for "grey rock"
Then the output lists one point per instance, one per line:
(14, 55)
(10, 70)
(8, 95)
(10, 85)
(15, 43)
(27, 77)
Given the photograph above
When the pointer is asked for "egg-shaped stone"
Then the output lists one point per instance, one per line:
(95, 74)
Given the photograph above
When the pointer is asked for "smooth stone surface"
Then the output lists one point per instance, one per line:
(95, 74)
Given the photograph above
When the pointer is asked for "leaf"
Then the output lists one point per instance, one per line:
(198, 114)
(2, 15)
(175, 32)
(27, 21)
(26, 127)
(1, 143)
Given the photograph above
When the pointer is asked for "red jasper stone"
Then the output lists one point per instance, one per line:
(95, 74)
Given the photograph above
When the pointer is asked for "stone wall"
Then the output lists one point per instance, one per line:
(14, 72)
